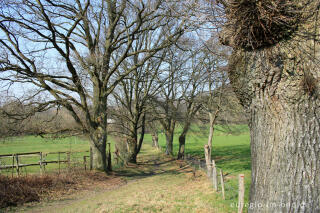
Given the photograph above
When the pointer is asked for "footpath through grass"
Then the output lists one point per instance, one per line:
(156, 184)
(231, 152)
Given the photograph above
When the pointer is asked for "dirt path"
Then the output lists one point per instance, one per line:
(156, 184)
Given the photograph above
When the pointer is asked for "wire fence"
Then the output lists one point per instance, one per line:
(232, 191)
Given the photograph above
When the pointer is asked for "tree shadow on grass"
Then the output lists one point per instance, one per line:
(145, 169)
(135, 175)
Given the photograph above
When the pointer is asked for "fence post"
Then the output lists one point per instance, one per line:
(85, 162)
(199, 163)
(12, 168)
(68, 159)
(222, 184)
(241, 193)
(44, 162)
(40, 162)
(214, 176)
(109, 158)
(59, 161)
(17, 167)
(91, 159)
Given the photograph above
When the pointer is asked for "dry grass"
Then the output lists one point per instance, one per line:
(19, 190)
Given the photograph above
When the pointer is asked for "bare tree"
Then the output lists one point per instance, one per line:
(213, 62)
(192, 86)
(72, 51)
(168, 103)
(154, 130)
(133, 95)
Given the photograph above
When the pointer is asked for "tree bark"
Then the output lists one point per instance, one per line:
(207, 151)
(155, 140)
(279, 87)
(133, 144)
(143, 128)
(208, 147)
(182, 137)
(132, 149)
(169, 142)
(99, 155)
(182, 142)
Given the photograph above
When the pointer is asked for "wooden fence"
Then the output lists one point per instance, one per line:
(16, 160)
(214, 176)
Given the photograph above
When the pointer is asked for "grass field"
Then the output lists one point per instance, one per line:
(37, 143)
(231, 151)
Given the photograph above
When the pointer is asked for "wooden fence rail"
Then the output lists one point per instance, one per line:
(42, 162)
(23, 153)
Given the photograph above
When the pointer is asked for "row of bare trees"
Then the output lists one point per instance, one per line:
(175, 88)
(77, 52)
(134, 62)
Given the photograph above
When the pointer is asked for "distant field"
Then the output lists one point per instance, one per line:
(37, 143)
(231, 146)
(45, 145)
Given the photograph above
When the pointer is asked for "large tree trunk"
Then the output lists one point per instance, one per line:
(286, 155)
(133, 145)
(182, 139)
(132, 149)
(169, 142)
(279, 87)
(143, 128)
(99, 155)
(182, 143)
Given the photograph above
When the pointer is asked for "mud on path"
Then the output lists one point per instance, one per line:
(156, 184)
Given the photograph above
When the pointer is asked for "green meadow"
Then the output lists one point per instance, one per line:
(77, 146)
